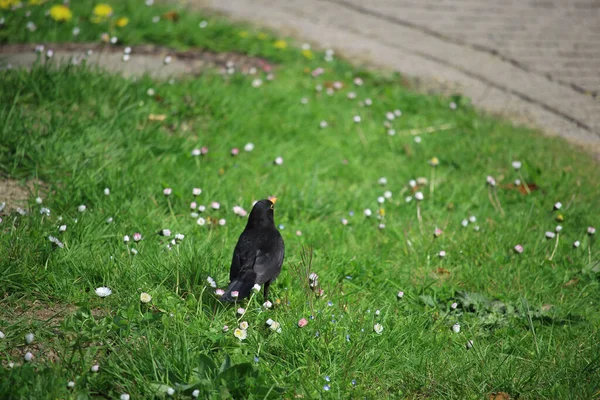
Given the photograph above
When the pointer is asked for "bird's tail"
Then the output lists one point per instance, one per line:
(242, 286)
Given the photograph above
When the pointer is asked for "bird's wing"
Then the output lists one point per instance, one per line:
(243, 256)
(268, 262)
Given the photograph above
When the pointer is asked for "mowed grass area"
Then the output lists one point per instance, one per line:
(532, 317)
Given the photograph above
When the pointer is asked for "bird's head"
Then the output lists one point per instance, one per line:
(262, 213)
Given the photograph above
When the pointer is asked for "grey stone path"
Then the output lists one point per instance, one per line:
(535, 61)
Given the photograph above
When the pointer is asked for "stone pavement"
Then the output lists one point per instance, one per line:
(535, 61)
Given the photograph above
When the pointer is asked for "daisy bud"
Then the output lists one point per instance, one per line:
(576, 244)
(368, 102)
(558, 228)
(219, 292)
(193, 205)
(222, 222)
(225, 328)
(442, 254)
(453, 306)
(357, 118)
(267, 304)
(278, 161)
(167, 191)
(29, 338)
(490, 180)
(196, 191)
(71, 384)
(378, 328)
(516, 165)
(256, 288)
(519, 249)
(557, 205)
(167, 60)
(201, 208)
(269, 322)
(368, 212)
(243, 325)
(95, 368)
(550, 235)
(382, 181)
(170, 391)
(390, 116)
(196, 393)
(241, 311)
(249, 147)
(28, 356)
(400, 294)
(137, 237)
(464, 222)
(472, 219)
(81, 208)
(62, 228)
(417, 139)
(419, 196)
(165, 232)
(408, 199)
(456, 328)
(235, 294)
(437, 232)
(196, 152)
(344, 221)
(302, 323)
(381, 199)
(469, 344)
(591, 230)
(124, 396)
(323, 124)
(145, 298)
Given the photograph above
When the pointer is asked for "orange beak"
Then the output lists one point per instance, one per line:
(272, 199)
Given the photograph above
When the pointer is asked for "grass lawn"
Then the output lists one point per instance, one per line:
(477, 317)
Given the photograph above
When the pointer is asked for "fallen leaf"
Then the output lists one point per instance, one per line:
(522, 188)
(500, 396)
(171, 16)
(572, 282)
(157, 117)
(442, 271)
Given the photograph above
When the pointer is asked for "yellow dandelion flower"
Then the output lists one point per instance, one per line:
(121, 22)
(280, 44)
(60, 13)
(243, 34)
(308, 54)
(102, 10)
(261, 36)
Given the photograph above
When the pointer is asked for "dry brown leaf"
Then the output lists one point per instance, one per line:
(522, 188)
(572, 282)
(171, 16)
(500, 396)
(442, 271)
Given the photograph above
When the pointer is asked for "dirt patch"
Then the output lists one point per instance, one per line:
(15, 194)
(142, 59)
(50, 315)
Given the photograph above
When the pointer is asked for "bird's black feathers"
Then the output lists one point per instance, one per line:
(258, 255)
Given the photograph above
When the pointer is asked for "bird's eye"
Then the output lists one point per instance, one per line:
(271, 206)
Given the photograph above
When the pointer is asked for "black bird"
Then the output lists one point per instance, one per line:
(258, 254)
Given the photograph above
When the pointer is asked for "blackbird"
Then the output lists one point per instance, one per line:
(258, 254)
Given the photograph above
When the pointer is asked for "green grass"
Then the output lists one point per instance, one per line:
(80, 131)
